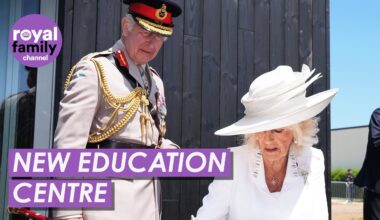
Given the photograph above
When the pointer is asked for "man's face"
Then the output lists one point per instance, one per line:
(142, 46)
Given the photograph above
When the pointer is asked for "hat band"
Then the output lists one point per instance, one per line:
(279, 89)
(258, 104)
(150, 12)
(150, 26)
(277, 109)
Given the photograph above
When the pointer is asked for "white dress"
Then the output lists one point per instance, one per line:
(246, 196)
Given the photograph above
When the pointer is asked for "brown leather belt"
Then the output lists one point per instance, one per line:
(111, 144)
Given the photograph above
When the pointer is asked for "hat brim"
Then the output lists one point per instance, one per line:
(153, 27)
(247, 125)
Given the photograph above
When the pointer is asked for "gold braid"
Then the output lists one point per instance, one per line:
(133, 99)
(68, 78)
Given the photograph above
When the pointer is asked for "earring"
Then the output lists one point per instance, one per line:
(295, 141)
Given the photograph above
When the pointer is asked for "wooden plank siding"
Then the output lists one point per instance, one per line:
(211, 58)
(320, 63)
(277, 33)
(108, 24)
(228, 63)
(84, 28)
(218, 48)
(172, 75)
(65, 23)
(291, 33)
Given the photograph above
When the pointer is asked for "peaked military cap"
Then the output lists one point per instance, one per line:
(154, 15)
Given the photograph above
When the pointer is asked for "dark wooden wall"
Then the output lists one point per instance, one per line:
(218, 48)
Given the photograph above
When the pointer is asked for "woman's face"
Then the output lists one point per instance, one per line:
(275, 144)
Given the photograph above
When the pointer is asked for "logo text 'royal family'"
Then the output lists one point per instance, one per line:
(35, 40)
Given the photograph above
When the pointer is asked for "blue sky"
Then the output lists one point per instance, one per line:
(355, 61)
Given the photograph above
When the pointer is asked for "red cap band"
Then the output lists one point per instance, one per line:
(150, 12)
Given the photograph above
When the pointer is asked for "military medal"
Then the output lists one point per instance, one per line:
(144, 79)
(161, 113)
(146, 85)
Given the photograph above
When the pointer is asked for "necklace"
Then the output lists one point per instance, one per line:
(274, 181)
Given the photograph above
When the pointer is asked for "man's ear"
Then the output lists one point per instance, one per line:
(124, 26)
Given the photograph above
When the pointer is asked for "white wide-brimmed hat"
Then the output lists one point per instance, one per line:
(278, 99)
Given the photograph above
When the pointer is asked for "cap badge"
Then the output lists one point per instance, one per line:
(161, 13)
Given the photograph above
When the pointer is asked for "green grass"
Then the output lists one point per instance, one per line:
(340, 174)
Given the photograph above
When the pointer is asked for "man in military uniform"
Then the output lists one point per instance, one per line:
(113, 99)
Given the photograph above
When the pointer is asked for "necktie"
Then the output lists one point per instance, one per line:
(144, 77)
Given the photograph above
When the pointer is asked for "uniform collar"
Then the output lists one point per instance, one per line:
(132, 67)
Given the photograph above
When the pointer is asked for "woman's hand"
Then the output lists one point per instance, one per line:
(166, 147)
(168, 144)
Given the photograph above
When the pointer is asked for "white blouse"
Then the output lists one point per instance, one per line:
(246, 196)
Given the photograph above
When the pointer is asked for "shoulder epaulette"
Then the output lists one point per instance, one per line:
(88, 57)
(96, 54)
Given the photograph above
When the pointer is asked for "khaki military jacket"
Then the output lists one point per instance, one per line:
(83, 110)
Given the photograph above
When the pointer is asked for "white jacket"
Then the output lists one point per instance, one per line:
(246, 196)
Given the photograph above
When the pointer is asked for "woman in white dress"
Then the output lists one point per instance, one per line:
(277, 174)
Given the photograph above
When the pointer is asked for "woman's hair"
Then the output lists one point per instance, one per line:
(305, 135)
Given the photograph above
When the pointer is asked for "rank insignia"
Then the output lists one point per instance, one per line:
(121, 58)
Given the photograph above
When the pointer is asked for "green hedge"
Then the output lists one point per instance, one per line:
(340, 174)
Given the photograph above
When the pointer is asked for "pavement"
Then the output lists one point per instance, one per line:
(342, 210)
